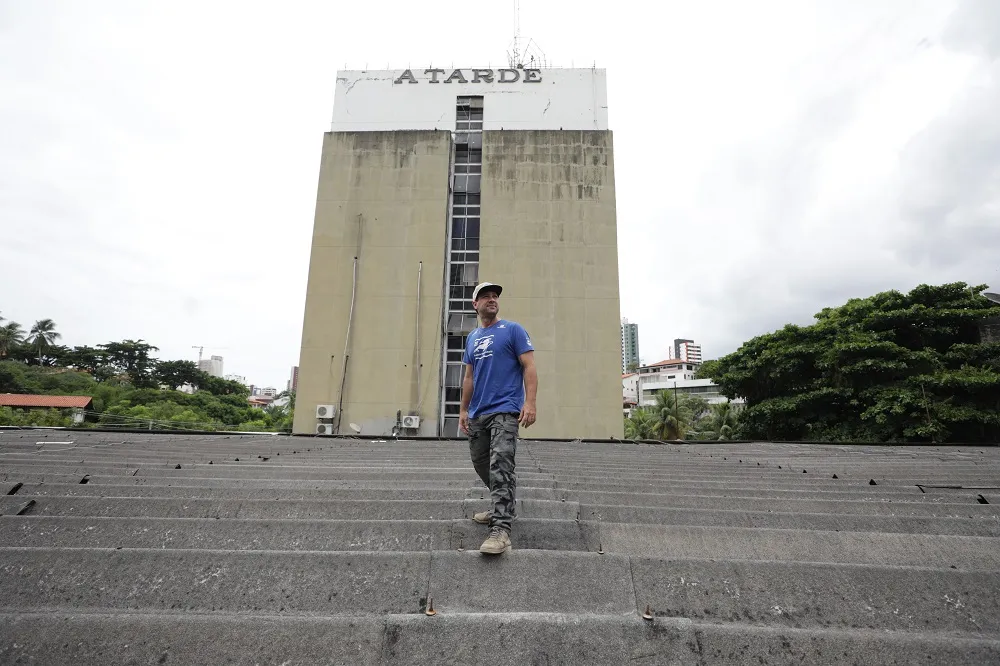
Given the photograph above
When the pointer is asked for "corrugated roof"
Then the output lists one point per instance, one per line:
(28, 400)
(260, 549)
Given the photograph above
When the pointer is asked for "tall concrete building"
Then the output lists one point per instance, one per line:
(630, 345)
(212, 366)
(431, 181)
(687, 350)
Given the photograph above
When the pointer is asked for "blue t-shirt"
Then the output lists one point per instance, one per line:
(497, 376)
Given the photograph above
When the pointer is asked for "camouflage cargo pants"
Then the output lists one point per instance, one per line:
(493, 443)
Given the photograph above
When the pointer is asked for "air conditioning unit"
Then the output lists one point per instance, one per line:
(325, 411)
(411, 421)
(324, 428)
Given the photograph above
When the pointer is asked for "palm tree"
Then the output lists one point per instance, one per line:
(676, 414)
(669, 420)
(11, 334)
(43, 334)
(641, 424)
(287, 394)
(719, 423)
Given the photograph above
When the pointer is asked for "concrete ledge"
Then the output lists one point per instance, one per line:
(531, 581)
(201, 580)
(821, 596)
(741, 645)
(964, 526)
(738, 544)
(128, 507)
(226, 534)
(242, 493)
(529, 534)
(927, 505)
(529, 508)
(92, 639)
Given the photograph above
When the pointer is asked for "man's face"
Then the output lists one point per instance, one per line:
(488, 303)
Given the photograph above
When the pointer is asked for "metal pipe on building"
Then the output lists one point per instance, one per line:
(347, 345)
(420, 271)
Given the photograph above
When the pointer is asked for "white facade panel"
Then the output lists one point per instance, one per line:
(540, 99)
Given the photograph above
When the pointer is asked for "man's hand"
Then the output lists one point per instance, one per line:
(463, 421)
(527, 416)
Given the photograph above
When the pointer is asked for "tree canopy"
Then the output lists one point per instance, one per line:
(130, 388)
(892, 367)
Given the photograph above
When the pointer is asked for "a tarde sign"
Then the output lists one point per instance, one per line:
(525, 75)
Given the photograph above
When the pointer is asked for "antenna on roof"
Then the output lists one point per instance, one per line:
(523, 53)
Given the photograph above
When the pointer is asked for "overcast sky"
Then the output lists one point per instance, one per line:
(158, 162)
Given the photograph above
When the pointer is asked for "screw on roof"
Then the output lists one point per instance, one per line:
(430, 607)
(648, 615)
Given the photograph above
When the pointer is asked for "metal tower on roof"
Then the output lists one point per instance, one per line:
(522, 52)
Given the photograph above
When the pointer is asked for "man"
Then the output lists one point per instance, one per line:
(498, 395)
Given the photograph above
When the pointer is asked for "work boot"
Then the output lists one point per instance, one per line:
(497, 543)
(483, 517)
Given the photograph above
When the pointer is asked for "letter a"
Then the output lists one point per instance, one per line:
(407, 75)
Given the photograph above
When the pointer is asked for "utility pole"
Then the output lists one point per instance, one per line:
(677, 412)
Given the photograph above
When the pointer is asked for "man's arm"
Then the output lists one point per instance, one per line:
(530, 388)
(463, 415)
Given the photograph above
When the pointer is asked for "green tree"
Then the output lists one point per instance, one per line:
(177, 373)
(88, 359)
(132, 359)
(34, 417)
(219, 386)
(719, 423)
(707, 369)
(641, 424)
(55, 356)
(676, 413)
(11, 335)
(287, 394)
(891, 367)
(12, 377)
(43, 334)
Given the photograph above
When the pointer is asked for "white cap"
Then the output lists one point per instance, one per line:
(484, 285)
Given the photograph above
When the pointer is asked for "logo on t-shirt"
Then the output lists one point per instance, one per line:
(482, 348)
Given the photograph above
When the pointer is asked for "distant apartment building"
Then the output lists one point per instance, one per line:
(672, 368)
(687, 350)
(630, 389)
(212, 366)
(701, 388)
(630, 345)
(293, 382)
(237, 378)
(669, 375)
(263, 391)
